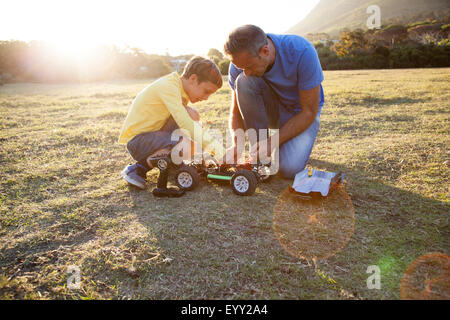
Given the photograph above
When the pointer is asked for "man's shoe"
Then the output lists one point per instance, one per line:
(135, 174)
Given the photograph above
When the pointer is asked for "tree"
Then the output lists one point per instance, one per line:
(350, 42)
(215, 54)
(224, 65)
(392, 34)
(427, 34)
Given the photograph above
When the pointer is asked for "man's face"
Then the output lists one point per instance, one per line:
(200, 91)
(252, 66)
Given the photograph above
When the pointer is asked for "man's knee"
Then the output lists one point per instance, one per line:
(254, 101)
(288, 168)
(247, 83)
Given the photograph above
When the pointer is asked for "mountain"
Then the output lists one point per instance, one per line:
(330, 16)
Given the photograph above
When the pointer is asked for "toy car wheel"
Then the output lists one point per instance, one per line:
(162, 164)
(266, 178)
(243, 183)
(187, 178)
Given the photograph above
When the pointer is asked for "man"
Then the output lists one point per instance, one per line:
(276, 83)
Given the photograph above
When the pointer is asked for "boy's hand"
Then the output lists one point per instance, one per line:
(193, 113)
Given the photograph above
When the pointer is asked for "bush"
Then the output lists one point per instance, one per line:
(422, 56)
(156, 68)
(224, 65)
(5, 77)
(382, 51)
(328, 58)
(445, 42)
(215, 54)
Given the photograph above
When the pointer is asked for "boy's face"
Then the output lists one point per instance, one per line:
(199, 91)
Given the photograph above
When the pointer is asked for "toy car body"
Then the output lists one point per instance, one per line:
(244, 178)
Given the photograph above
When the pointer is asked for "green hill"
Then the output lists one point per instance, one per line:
(330, 16)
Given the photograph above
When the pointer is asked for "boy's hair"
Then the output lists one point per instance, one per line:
(245, 38)
(205, 69)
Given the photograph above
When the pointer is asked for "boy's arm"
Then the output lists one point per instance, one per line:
(171, 98)
(193, 114)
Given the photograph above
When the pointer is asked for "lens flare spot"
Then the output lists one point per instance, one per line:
(314, 229)
(427, 278)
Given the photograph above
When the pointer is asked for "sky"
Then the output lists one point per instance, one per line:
(176, 27)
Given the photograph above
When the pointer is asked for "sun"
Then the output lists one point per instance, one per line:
(78, 51)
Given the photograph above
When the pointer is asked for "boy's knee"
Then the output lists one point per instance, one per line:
(185, 149)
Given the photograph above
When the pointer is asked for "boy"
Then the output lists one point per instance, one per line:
(161, 108)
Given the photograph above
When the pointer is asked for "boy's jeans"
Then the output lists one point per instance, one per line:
(261, 109)
(145, 144)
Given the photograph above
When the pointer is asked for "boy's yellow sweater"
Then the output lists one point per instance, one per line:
(154, 105)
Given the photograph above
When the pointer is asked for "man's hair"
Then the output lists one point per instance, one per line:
(248, 37)
(205, 69)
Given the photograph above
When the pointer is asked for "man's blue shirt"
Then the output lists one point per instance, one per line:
(297, 67)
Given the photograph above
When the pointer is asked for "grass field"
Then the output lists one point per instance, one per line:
(64, 203)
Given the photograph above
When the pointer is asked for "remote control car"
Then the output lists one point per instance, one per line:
(243, 178)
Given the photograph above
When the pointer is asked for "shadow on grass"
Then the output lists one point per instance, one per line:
(393, 227)
(218, 245)
(372, 100)
(394, 206)
(211, 234)
(62, 230)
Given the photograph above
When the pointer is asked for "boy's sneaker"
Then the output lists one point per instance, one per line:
(135, 174)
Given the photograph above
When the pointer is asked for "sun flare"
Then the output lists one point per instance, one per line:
(76, 51)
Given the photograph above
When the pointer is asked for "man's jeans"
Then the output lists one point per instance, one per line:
(261, 109)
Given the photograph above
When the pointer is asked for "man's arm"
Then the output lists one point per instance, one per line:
(310, 76)
(309, 100)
